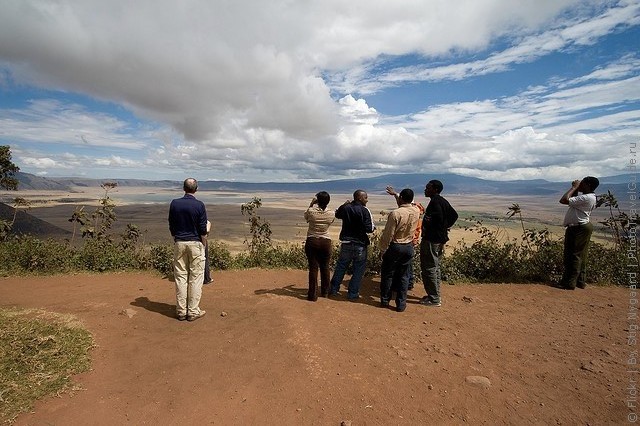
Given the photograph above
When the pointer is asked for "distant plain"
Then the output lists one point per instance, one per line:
(148, 208)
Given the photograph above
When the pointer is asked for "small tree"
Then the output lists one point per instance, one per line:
(79, 217)
(618, 222)
(101, 219)
(516, 210)
(131, 236)
(105, 215)
(17, 203)
(259, 228)
(7, 169)
(8, 182)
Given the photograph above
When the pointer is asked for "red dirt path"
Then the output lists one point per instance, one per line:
(551, 356)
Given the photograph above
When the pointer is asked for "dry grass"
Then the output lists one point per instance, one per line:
(39, 352)
(284, 211)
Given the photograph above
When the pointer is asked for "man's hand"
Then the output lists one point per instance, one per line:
(571, 192)
(391, 191)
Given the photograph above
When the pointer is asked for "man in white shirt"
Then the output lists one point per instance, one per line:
(578, 231)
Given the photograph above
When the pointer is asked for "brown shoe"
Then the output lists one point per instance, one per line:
(196, 316)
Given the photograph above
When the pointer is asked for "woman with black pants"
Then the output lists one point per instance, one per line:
(317, 247)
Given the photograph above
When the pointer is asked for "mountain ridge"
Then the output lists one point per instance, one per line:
(453, 184)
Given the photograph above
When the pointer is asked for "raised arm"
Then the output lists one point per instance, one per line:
(571, 192)
(393, 192)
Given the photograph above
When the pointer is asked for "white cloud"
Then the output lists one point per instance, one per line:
(196, 64)
(41, 163)
(54, 122)
(581, 30)
(254, 89)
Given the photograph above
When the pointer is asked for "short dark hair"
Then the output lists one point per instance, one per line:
(190, 185)
(357, 192)
(437, 185)
(591, 182)
(323, 198)
(407, 195)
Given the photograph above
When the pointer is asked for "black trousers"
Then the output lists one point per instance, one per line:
(318, 251)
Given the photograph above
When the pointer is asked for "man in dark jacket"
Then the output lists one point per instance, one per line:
(357, 222)
(439, 216)
(188, 227)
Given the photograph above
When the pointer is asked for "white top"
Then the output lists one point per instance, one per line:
(319, 221)
(580, 208)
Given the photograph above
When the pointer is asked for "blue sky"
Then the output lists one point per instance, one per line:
(296, 91)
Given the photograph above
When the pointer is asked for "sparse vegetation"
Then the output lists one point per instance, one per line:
(536, 256)
(39, 352)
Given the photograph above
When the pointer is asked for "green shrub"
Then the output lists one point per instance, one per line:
(27, 254)
(102, 255)
(279, 256)
(606, 265)
(161, 259)
(288, 256)
(220, 257)
(536, 257)
(489, 259)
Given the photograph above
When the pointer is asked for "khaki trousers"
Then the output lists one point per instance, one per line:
(188, 271)
(576, 247)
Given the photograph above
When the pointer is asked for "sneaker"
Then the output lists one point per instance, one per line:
(207, 282)
(196, 316)
(181, 317)
(428, 302)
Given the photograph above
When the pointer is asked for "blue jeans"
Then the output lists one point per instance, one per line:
(396, 267)
(430, 258)
(350, 252)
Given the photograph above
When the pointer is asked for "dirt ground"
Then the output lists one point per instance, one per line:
(263, 354)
